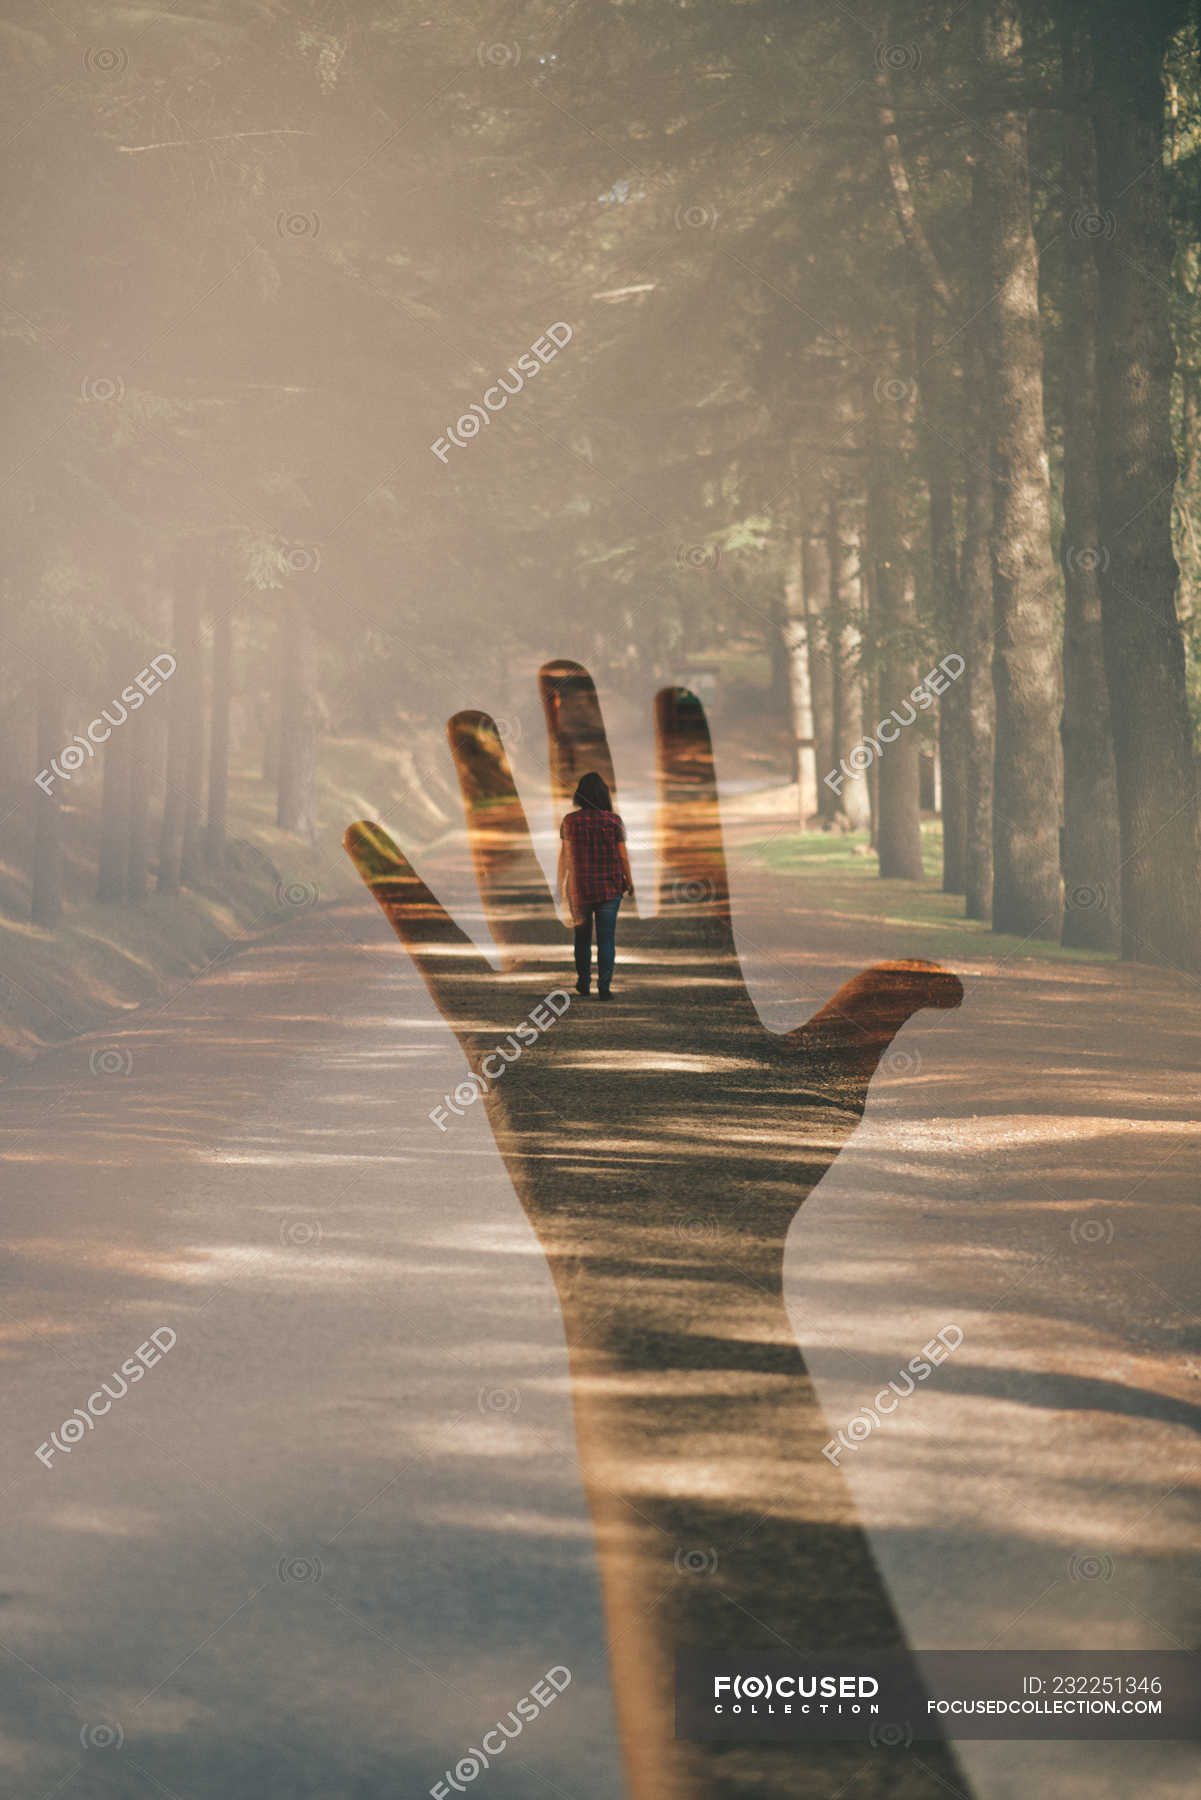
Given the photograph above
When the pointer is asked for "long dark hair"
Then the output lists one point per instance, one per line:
(592, 791)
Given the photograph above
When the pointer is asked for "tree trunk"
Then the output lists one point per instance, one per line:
(271, 725)
(218, 795)
(138, 842)
(976, 648)
(897, 765)
(1091, 854)
(192, 850)
(845, 614)
(175, 704)
(1190, 427)
(780, 672)
(1144, 654)
(46, 899)
(935, 380)
(114, 799)
(869, 675)
(800, 689)
(296, 794)
(871, 710)
(1027, 889)
(141, 733)
(815, 564)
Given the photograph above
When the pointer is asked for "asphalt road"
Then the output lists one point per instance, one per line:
(338, 1529)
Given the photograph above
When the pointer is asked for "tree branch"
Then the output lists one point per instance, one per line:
(907, 215)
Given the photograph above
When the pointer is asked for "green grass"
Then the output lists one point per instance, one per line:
(928, 922)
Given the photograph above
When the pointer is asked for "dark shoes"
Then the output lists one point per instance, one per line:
(581, 987)
(602, 993)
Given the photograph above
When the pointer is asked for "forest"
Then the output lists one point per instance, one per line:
(742, 457)
(873, 351)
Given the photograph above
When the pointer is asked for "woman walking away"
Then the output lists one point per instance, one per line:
(594, 873)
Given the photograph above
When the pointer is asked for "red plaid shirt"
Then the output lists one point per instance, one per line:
(592, 838)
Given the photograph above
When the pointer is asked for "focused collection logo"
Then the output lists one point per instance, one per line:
(492, 1066)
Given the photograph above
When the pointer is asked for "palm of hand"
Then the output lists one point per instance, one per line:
(610, 1110)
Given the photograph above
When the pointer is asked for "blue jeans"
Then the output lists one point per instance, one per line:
(605, 914)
